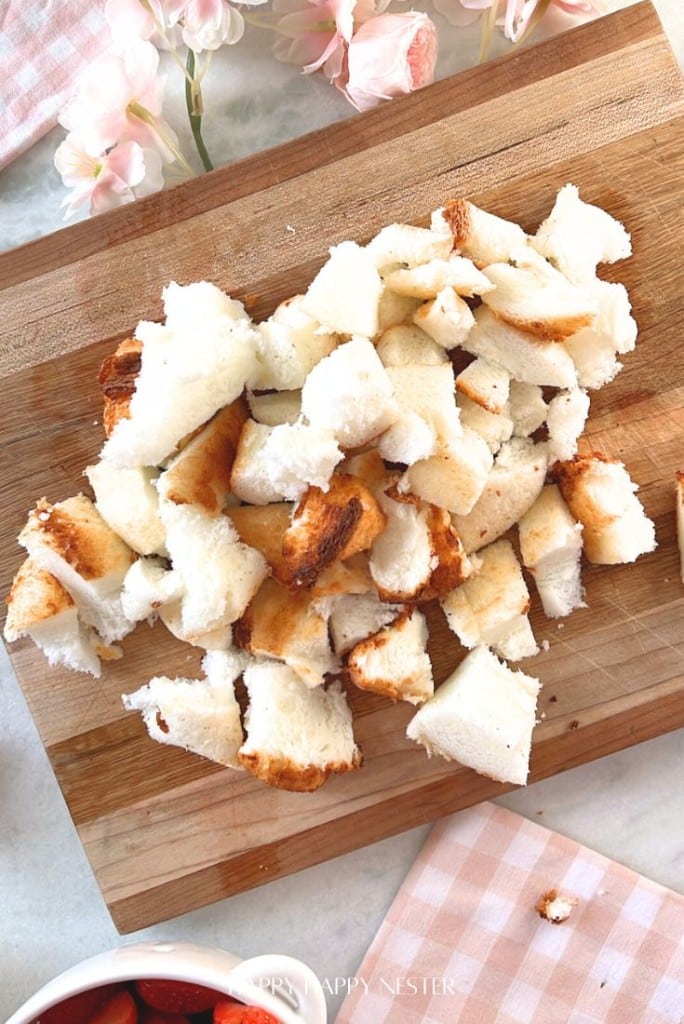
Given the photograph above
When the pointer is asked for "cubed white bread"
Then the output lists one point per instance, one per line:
(493, 428)
(491, 607)
(577, 236)
(487, 384)
(200, 474)
(263, 527)
(406, 345)
(565, 418)
(594, 349)
(219, 574)
(369, 467)
(345, 293)
(296, 736)
(128, 502)
(199, 715)
(551, 548)
(482, 236)
(39, 607)
(219, 639)
(526, 407)
(426, 392)
(406, 244)
(679, 518)
(275, 463)
(395, 309)
(71, 540)
(287, 626)
(275, 407)
(525, 357)
(533, 296)
(196, 363)
(394, 661)
(290, 343)
(483, 716)
(148, 585)
(349, 394)
(511, 487)
(353, 617)
(447, 318)
(454, 476)
(601, 495)
(431, 278)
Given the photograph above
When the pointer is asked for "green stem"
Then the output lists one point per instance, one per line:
(193, 102)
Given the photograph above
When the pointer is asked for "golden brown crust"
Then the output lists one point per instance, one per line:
(544, 904)
(456, 213)
(284, 773)
(263, 527)
(390, 688)
(277, 621)
(117, 379)
(35, 596)
(569, 474)
(547, 330)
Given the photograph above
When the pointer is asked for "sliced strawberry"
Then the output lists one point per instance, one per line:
(177, 996)
(229, 1012)
(118, 1009)
(150, 1016)
(78, 1009)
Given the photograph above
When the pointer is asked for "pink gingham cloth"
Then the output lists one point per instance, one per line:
(462, 941)
(44, 44)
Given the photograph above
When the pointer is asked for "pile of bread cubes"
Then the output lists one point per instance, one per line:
(288, 495)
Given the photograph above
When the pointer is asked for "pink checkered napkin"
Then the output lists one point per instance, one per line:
(462, 941)
(44, 44)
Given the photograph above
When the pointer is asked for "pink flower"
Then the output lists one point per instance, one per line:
(390, 55)
(514, 15)
(208, 24)
(127, 172)
(316, 33)
(155, 20)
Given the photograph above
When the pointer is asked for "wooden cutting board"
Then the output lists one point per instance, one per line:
(602, 107)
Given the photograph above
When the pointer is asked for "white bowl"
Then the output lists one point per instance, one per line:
(284, 986)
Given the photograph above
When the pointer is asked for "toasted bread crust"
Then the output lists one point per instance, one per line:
(457, 216)
(284, 773)
(117, 378)
(36, 595)
(547, 330)
(263, 527)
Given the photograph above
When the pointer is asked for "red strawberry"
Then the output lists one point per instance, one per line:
(118, 1009)
(176, 996)
(150, 1016)
(229, 1012)
(79, 1008)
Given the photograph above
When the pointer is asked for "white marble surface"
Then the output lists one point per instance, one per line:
(628, 806)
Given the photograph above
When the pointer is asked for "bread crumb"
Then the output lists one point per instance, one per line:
(555, 907)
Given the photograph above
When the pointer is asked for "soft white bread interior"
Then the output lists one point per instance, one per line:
(493, 427)
(71, 540)
(38, 606)
(353, 617)
(408, 245)
(427, 415)
(447, 318)
(275, 407)
(551, 548)
(290, 343)
(510, 488)
(200, 715)
(565, 418)
(128, 502)
(431, 278)
(594, 349)
(526, 407)
(406, 345)
(394, 661)
(276, 463)
(491, 607)
(352, 377)
(482, 715)
(526, 358)
(481, 235)
(454, 476)
(296, 736)
(149, 585)
(577, 236)
(186, 374)
(349, 270)
(395, 309)
(485, 383)
(601, 495)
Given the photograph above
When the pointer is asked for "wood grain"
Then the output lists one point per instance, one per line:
(601, 106)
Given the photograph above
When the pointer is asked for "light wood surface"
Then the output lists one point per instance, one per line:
(600, 106)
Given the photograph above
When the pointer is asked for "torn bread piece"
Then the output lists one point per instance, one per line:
(394, 309)
(354, 617)
(428, 415)
(38, 606)
(408, 345)
(551, 548)
(491, 607)
(481, 235)
(263, 527)
(394, 661)
(349, 271)
(186, 374)
(296, 736)
(117, 377)
(533, 296)
(601, 495)
(71, 540)
(330, 525)
(679, 514)
(290, 343)
(485, 383)
(128, 502)
(447, 318)
(454, 476)
(483, 716)
(218, 639)
(510, 488)
(613, 332)
(526, 407)
(553, 906)
(148, 585)
(577, 236)
(199, 715)
(276, 463)
(429, 279)
(526, 358)
(200, 474)
(408, 245)
(350, 378)
(275, 407)
(286, 626)
(494, 428)
(565, 418)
